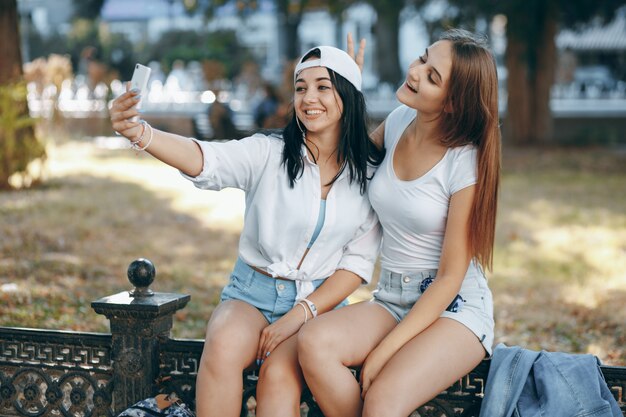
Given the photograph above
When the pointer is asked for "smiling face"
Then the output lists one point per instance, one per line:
(317, 102)
(426, 85)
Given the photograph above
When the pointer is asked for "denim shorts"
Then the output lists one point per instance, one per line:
(273, 297)
(472, 307)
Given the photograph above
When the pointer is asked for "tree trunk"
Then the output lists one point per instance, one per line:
(292, 47)
(339, 38)
(289, 21)
(386, 31)
(18, 144)
(543, 128)
(10, 53)
(517, 123)
(530, 60)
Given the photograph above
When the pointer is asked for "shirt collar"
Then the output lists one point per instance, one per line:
(305, 155)
(308, 160)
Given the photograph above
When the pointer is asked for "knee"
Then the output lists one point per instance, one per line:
(315, 345)
(308, 343)
(221, 347)
(279, 388)
(276, 374)
(379, 403)
(372, 407)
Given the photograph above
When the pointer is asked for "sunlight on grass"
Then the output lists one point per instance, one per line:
(559, 278)
(223, 210)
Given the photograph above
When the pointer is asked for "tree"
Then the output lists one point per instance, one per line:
(289, 17)
(191, 45)
(387, 57)
(531, 56)
(386, 30)
(530, 60)
(18, 143)
(10, 52)
(88, 9)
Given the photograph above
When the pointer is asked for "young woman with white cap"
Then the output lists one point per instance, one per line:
(430, 321)
(310, 236)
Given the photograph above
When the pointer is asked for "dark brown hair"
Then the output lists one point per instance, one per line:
(473, 118)
(356, 150)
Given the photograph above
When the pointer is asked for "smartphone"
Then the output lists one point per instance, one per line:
(140, 82)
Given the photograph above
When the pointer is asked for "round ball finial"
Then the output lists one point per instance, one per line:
(141, 274)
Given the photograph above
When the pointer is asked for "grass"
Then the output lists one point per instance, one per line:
(559, 277)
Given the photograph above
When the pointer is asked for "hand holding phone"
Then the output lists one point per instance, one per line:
(140, 83)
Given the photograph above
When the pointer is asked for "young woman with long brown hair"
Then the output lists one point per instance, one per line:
(431, 318)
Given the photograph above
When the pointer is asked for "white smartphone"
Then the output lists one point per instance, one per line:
(141, 75)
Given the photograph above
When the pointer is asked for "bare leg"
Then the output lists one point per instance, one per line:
(334, 341)
(232, 339)
(423, 368)
(280, 382)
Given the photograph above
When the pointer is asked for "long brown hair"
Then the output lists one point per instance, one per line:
(473, 98)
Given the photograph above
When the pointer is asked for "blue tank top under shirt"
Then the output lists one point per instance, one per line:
(320, 223)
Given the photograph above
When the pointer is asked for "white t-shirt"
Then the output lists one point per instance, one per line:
(414, 213)
(279, 221)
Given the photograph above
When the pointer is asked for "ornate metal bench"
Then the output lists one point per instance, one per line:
(59, 373)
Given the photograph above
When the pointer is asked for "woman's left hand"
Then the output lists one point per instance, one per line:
(280, 330)
(372, 366)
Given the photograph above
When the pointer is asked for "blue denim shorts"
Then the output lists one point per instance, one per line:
(472, 307)
(273, 297)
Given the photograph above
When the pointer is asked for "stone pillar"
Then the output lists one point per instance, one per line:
(140, 320)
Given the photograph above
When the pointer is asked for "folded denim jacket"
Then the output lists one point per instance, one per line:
(526, 383)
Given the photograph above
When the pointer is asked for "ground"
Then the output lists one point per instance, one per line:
(559, 276)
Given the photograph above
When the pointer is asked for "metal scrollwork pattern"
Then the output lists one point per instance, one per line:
(58, 354)
(179, 362)
(130, 362)
(60, 374)
(616, 381)
(41, 392)
(179, 367)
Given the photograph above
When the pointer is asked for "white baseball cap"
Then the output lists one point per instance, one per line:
(334, 59)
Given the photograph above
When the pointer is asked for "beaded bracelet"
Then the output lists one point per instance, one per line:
(135, 145)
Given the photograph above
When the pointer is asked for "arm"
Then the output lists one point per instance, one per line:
(177, 151)
(355, 267)
(453, 265)
(333, 291)
(378, 135)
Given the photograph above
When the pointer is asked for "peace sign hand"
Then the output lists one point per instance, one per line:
(358, 58)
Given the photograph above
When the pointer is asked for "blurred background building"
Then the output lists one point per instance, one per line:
(203, 52)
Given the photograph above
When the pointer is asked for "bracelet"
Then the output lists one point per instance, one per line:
(306, 313)
(311, 305)
(135, 145)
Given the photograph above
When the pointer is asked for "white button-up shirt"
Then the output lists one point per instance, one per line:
(279, 221)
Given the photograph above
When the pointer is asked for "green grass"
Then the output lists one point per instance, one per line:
(559, 277)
